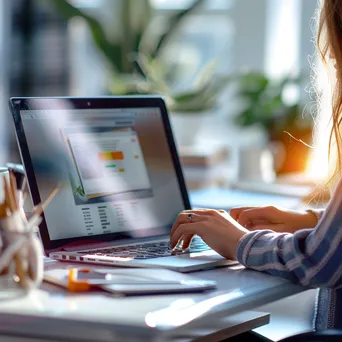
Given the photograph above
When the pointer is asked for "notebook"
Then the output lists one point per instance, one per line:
(140, 281)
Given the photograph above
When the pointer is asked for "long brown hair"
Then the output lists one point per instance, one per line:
(329, 43)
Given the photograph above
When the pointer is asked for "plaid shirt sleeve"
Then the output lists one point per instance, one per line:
(310, 257)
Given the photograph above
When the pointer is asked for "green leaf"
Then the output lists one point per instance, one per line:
(263, 101)
(205, 75)
(80, 191)
(173, 25)
(153, 72)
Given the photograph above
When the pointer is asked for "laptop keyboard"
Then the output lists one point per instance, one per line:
(147, 250)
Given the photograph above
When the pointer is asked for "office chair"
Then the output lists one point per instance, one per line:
(330, 335)
(318, 336)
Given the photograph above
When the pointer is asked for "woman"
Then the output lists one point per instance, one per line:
(305, 247)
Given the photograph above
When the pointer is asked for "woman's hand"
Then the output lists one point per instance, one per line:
(276, 219)
(215, 227)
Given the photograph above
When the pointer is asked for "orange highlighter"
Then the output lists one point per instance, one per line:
(82, 280)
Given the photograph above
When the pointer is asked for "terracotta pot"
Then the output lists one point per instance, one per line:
(295, 154)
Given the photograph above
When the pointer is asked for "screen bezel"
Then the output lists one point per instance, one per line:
(110, 102)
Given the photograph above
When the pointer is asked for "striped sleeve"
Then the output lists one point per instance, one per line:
(311, 257)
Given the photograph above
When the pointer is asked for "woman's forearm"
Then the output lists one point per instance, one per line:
(308, 256)
(308, 219)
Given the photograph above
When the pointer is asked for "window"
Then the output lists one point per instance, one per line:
(181, 4)
(206, 35)
(87, 3)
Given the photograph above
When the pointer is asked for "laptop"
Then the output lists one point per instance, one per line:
(120, 182)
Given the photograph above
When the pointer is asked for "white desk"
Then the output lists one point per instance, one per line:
(50, 309)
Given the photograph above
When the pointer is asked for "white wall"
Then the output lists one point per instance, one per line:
(88, 72)
(249, 18)
(282, 37)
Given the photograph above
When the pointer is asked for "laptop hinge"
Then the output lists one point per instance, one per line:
(85, 245)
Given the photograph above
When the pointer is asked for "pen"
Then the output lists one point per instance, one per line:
(11, 202)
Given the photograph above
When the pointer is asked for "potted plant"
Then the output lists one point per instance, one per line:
(137, 68)
(133, 32)
(189, 106)
(264, 104)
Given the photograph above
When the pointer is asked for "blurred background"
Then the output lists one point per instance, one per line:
(235, 75)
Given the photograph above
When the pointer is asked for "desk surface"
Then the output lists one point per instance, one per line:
(238, 290)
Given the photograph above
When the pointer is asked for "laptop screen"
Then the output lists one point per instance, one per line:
(113, 168)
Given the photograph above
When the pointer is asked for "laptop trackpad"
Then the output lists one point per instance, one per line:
(206, 255)
(189, 259)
